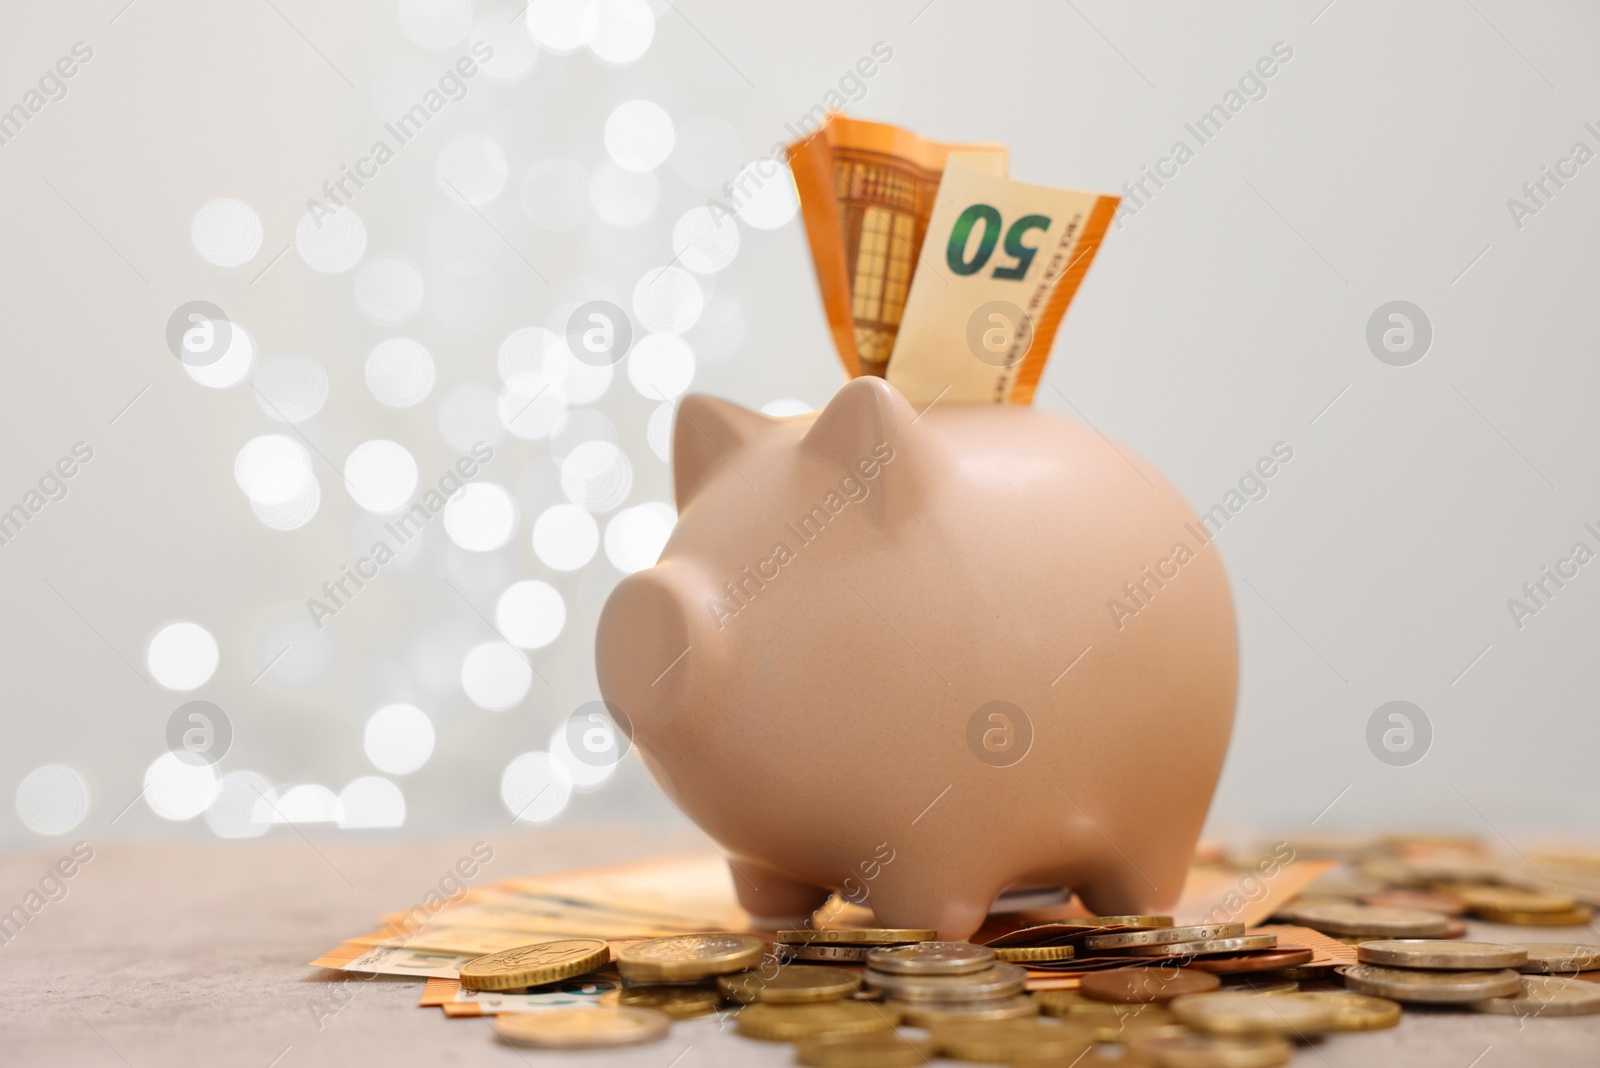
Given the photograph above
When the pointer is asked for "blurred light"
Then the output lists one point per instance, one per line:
(399, 372)
(177, 790)
(577, 427)
(658, 431)
(624, 31)
(333, 243)
(242, 807)
(234, 365)
(468, 415)
(522, 360)
(310, 803)
(481, 518)
(661, 366)
(52, 799)
(583, 383)
(720, 331)
(494, 676)
(636, 536)
(381, 476)
(704, 242)
(622, 197)
(638, 135)
(563, 25)
(532, 418)
(291, 389)
(596, 476)
(273, 469)
(226, 233)
(389, 292)
(296, 652)
(398, 739)
(182, 656)
(293, 513)
(586, 777)
(514, 51)
(535, 787)
(436, 23)
(786, 406)
(565, 537)
(371, 801)
(772, 201)
(555, 195)
(530, 614)
(471, 169)
(707, 152)
(667, 300)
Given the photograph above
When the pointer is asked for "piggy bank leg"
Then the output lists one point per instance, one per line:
(1125, 892)
(953, 911)
(772, 899)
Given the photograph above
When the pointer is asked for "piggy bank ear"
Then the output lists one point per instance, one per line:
(651, 644)
(707, 434)
(866, 413)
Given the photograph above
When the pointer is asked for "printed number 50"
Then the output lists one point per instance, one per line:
(956, 252)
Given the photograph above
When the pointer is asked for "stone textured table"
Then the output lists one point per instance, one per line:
(178, 954)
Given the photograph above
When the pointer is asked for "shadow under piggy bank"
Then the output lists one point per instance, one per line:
(927, 660)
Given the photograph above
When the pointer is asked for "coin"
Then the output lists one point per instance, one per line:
(690, 956)
(1237, 944)
(1136, 985)
(678, 1002)
(1283, 957)
(1437, 988)
(582, 1027)
(1122, 921)
(534, 964)
(1444, 904)
(1261, 984)
(914, 1014)
(1440, 953)
(1560, 957)
(1010, 1041)
(1576, 917)
(1545, 995)
(1156, 936)
(1168, 1050)
(878, 1049)
(837, 953)
(1348, 919)
(1511, 899)
(1323, 969)
(932, 958)
(1245, 1013)
(870, 936)
(995, 982)
(1358, 1012)
(1124, 1029)
(790, 1023)
(1033, 954)
(791, 984)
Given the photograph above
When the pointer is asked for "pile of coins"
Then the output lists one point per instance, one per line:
(1484, 976)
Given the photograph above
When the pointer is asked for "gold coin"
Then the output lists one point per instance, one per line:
(1237, 944)
(1121, 921)
(1434, 988)
(1157, 936)
(879, 1049)
(534, 964)
(690, 956)
(837, 953)
(792, 984)
(1125, 1029)
(871, 936)
(1259, 983)
(1371, 921)
(582, 1027)
(1358, 1012)
(1575, 917)
(678, 1002)
(1032, 954)
(790, 1023)
(1074, 1003)
(915, 1014)
(931, 958)
(1561, 957)
(1441, 953)
(1546, 995)
(1244, 1013)
(1511, 899)
(994, 982)
(1171, 1050)
(1010, 1041)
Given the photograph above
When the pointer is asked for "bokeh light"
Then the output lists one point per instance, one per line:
(531, 418)
(307, 803)
(636, 536)
(563, 25)
(291, 389)
(535, 787)
(273, 469)
(242, 807)
(639, 135)
(332, 243)
(771, 202)
(52, 800)
(381, 476)
(399, 373)
(178, 790)
(530, 614)
(661, 366)
(398, 739)
(565, 537)
(586, 777)
(470, 415)
(389, 292)
(226, 233)
(182, 656)
(232, 367)
(658, 431)
(667, 300)
(481, 517)
(371, 802)
(596, 476)
(293, 513)
(515, 52)
(705, 241)
(494, 676)
(623, 31)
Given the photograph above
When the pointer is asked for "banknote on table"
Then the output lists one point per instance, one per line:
(389, 960)
(1001, 262)
(448, 995)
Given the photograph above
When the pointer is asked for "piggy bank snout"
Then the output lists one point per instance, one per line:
(644, 650)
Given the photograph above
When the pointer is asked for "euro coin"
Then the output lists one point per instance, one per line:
(790, 1023)
(1033, 954)
(1157, 936)
(1261, 985)
(1139, 985)
(678, 1002)
(932, 1015)
(1122, 921)
(1241, 1013)
(1428, 901)
(880, 1049)
(791, 984)
(1511, 899)
(1010, 1041)
(1575, 917)
(1545, 995)
(1430, 988)
(1358, 1012)
(692, 956)
(1370, 921)
(1171, 1050)
(856, 936)
(1074, 1003)
(582, 1027)
(931, 958)
(1440, 953)
(1281, 958)
(534, 964)
(995, 982)
(1560, 957)
(839, 954)
(1238, 944)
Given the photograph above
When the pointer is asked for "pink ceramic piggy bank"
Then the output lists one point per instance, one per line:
(925, 660)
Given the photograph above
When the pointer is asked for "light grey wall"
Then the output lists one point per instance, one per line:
(1228, 314)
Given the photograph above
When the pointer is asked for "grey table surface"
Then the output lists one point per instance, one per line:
(169, 953)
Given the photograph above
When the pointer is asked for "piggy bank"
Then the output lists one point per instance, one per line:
(927, 659)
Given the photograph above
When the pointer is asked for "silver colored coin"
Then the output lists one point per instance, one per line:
(1560, 958)
(931, 958)
(1238, 944)
(1343, 918)
(1446, 954)
(851, 954)
(1546, 995)
(998, 981)
(1160, 936)
(1432, 988)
